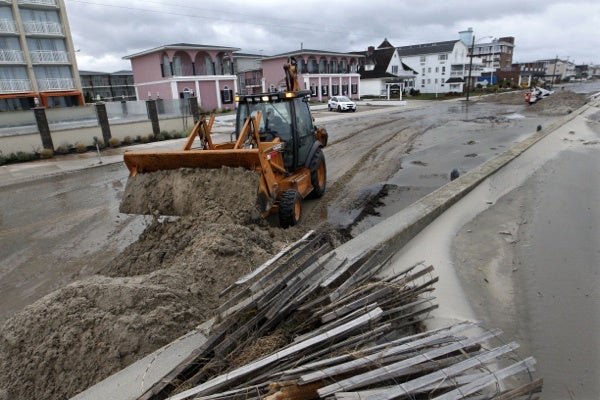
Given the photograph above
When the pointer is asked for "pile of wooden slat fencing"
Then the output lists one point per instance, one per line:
(316, 326)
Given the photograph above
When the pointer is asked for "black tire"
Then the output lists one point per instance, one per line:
(339, 108)
(290, 208)
(318, 174)
(328, 108)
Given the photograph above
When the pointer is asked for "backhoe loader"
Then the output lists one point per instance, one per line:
(274, 136)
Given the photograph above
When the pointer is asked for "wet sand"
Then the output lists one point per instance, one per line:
(507, 254)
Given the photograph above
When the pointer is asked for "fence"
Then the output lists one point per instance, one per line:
(32, 130)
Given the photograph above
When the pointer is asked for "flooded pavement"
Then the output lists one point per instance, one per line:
(452, 135)
(55, 230)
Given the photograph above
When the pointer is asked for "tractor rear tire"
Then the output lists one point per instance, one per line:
(290, 208)
(318, 174)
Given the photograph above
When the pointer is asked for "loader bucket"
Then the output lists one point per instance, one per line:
(190, 181)
(151, 161)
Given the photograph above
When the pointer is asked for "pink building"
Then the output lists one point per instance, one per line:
(324, 73)
(179, 70)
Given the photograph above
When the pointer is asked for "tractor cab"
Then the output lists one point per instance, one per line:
(284, 115)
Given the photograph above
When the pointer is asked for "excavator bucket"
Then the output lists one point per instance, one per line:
(187, 181)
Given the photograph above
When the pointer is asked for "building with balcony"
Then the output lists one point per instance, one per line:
(324, 73)
(496, 56)
(37, 59)
(443, 67)
(248, 69)
(181, 70)
(107, 86)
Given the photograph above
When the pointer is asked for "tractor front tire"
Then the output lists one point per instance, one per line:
(318, 174)
(290, 208)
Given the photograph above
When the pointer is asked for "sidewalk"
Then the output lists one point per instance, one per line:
(60, 164)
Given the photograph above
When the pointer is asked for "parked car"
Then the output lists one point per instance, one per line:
(341, 103)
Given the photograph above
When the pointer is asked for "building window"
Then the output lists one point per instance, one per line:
(443, 70)
(395, 69)
(422, 82)
(313, 89)
(429, 81)
(354, 88)
(335, 90)
(422, 59)
(429, 70)
(436, 81)
(423, 71)
(324, 90)
(226, 95)
(272, 88)
(443, 57)
(437, 69)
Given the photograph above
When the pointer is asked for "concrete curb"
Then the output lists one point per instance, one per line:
(396, 231)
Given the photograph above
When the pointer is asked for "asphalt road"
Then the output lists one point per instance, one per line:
(62, 228)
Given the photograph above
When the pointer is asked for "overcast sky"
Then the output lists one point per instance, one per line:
(104, 31)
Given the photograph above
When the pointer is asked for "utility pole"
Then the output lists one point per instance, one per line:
(470, 66)
(554, 72)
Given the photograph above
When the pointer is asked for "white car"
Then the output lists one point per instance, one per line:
(341, 103)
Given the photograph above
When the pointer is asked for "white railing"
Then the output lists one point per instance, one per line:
(5, 1)
(15, 85)
(56, 84)
(47, 28)
(11, 56)
(49, 57)
(8, 26)
(52, 3)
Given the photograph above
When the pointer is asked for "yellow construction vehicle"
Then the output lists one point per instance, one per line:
(274, 136)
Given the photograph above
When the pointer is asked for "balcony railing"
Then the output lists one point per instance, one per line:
(56, 84)
(49, 57)
(45, 28)
(51, 3)
(11, 57)
(8, 26)
(15, 85)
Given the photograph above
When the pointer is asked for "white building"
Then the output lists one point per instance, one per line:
(383, 73)
(443, 67)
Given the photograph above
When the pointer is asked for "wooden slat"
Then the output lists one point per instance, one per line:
(445, 373)
(267, 264)
(381, 374)
(491, 378)
(220, 381)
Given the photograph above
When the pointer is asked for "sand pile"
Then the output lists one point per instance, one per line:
(212, 193)
(561, 102)
(157, 290)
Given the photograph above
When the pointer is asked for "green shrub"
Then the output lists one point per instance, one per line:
(114, 142)
(80, 147)
(127, 140)
(144, 139)
(159, 137)
(22, 156)
(151, 137)
(46, 153)
(63, 149)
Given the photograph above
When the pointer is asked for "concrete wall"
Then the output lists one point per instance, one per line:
(32, 142)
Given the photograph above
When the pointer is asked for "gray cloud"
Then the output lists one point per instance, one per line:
(107, 30)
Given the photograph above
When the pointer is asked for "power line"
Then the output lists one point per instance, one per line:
(249, 20)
